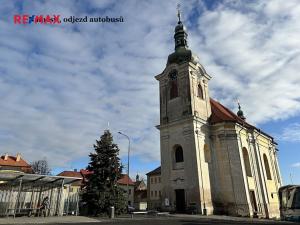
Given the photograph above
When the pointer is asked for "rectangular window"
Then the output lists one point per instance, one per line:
(159, 180)
(129, 191)
(155, 193)
(159, 193)
(151, 193)
(155, 180)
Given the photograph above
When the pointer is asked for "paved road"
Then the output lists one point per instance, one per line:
(176, 221)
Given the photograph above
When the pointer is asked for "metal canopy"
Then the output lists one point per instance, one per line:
(10, 178)
(22, 194)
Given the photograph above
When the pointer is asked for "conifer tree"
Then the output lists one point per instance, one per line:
(101, 191)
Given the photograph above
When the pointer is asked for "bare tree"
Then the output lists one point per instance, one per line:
(41, 167)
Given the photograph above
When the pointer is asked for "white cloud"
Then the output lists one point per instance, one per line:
(252, 52)
(60, 85)
(291, 133)
(296, 165)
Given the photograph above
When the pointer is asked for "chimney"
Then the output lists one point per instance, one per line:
(6, 156)
(18, 157)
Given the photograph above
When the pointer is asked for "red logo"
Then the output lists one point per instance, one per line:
(37, 19)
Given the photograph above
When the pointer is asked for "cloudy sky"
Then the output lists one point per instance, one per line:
(62, 85)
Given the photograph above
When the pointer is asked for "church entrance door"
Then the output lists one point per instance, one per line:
(180, 200)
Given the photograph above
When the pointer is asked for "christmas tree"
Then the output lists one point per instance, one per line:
(101, 191)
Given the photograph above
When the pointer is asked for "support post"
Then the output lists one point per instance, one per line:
(68, 199)
(18, 197)
(50, 205)
(77, 203)
(3, 194)
(59, 197)
(7, 208)
(31, 201)
(39, 201)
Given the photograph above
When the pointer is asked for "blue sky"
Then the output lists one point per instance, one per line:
(61, 85)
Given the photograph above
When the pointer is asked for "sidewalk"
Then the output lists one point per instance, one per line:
(229, 218)
(45, 220)
(82, 219)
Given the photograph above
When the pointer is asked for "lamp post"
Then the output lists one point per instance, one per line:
(127, 164)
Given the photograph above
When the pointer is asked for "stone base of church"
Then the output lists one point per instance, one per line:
(231, 209)
(274, 212)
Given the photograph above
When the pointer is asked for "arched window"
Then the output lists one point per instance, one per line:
(173, 84)
(178, 154)
(200, 92)
(247, 162)
(267, 167)
(207, 156)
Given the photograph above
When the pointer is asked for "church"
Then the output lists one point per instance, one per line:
(212, 159)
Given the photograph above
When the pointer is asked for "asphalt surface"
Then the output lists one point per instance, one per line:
(175, 221)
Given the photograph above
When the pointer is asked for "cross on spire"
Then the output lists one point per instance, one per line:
(178, 13)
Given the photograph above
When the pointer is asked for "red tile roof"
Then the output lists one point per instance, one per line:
(222, 114)
(73, 174)
(125, 179)
(86, 172)
(11, 161)
(70, 174)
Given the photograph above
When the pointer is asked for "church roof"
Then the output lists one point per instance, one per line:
(222, 114)
(219, 113)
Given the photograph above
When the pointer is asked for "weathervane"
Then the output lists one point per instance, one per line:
(239, 105)
(178, 13)
(238, 102)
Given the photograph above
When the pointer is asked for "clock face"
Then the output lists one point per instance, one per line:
(173, 74)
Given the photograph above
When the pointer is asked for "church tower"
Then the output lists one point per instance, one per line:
(184, 134)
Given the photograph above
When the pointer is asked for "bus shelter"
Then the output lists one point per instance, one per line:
(22, 194)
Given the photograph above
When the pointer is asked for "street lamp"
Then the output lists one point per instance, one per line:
(127, 164)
